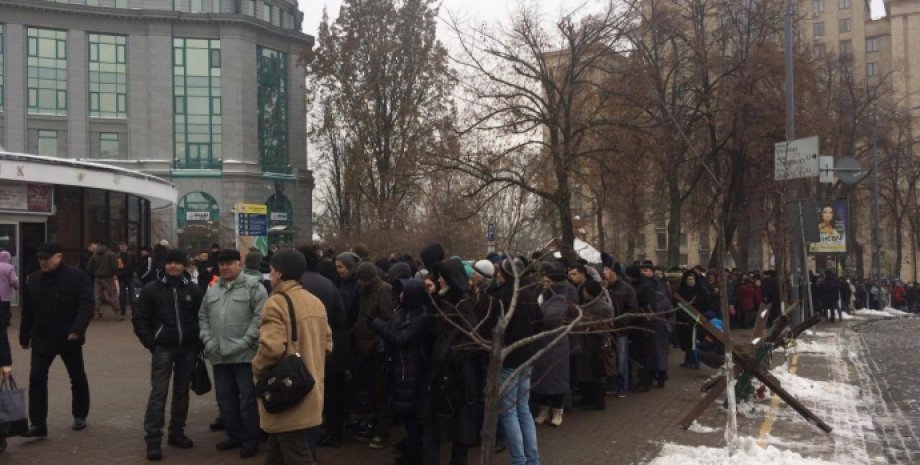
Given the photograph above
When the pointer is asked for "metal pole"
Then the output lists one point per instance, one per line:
(789, 55)
(876, 228)
(806, 279)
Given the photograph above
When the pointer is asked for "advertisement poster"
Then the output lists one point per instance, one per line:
(832, 228)
(252, 227)
(32, 198)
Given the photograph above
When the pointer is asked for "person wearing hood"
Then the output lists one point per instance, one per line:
(551, 370)
(398, 271)
(166, 323)
(102, 268)
(449, 409)
(404, 336)
(691, 289)
(597, 314)
(375, 300)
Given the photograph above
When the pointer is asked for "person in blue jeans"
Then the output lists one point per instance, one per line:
(515, 417)
(625, 302)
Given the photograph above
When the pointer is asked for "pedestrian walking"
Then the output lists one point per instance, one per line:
(102, 268)
(57, 307)
(166, 322)
(8, 282)
(287, 440)
(229, 323)
(127, 266)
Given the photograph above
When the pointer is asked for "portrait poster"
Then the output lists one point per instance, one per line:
(832, 228)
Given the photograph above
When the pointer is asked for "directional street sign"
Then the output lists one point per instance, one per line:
(796, 159)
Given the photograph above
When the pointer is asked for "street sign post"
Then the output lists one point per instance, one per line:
(796, 159)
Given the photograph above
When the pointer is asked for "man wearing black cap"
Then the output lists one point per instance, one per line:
(166, 322)
(57, 306)
(229, 322)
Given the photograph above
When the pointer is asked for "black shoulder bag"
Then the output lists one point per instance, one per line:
(289, 382)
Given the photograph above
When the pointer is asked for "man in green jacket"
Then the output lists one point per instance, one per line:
(375, 299)
(229, 322)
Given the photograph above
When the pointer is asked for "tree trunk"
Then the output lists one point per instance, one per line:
(674, 223)
(601, 243)
(492, 396)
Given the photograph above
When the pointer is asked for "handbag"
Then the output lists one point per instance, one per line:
(290, 381)
(604, 360)
(13, 419)
(201, 380)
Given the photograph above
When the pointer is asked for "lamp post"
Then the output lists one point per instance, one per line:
(876, 228)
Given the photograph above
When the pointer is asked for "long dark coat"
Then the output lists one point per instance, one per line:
(596, 310)
(551, 370)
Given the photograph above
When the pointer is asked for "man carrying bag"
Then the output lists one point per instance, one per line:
(287, 443)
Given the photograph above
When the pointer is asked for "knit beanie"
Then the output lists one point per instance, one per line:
(633, 271)
(348, 259)
(290, 263)
(593, 288)
(399, 270)
(176, 256)
(484, 268)
(366, 271)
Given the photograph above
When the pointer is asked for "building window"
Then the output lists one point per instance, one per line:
(846, 49)
(661, 239)
(819, 29)
(684, 240)
(266, 12)
(817, 7)
(108, 77)
(195, 6)
(92, 2)
(704, 241)
(819, 49)
(844, 25)
(872, 69)
(215, 6)
(276, 17)
(273, 116)
(684, 260)
(47, 71)
(872, 44)
(843, 4)
(108, 145)
(122, 4)
(197, 103)
(1, 67)
(251, 8)
(47, 143)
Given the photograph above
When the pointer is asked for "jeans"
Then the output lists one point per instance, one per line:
(126, 293)
(517, 421)
(622, 377)
(288, 448)
(236, 402)
(178, 364)
(38, 385)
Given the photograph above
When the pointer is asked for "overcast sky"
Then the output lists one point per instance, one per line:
(487, 10)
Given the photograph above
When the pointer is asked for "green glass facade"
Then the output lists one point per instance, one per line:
(197, 103)
(108, 77)
(1, 67)
(47, 71)
(273, 111)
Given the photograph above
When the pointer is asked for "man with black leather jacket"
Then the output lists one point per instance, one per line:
(166, 322)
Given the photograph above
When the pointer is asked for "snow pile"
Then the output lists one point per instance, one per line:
(748, 453)
(819, 392)
(696, 427)
(816, 347)
(888, 312)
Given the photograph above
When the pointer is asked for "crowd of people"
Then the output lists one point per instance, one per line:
(395, 342)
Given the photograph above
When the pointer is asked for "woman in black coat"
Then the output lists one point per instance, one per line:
(691, 289)
(405, 335)
(449, 407)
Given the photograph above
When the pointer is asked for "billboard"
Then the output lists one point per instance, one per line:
(832, 228)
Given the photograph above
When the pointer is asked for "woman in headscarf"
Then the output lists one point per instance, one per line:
(691, 289)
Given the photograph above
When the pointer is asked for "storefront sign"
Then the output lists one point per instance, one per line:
(26, 198)
(276, 216)
(197, 216)
(252, 226)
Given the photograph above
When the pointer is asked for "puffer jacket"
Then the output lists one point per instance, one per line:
(404, 336)
(167, 313)
(229, 319)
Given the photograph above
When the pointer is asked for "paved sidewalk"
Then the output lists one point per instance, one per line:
(630, 431)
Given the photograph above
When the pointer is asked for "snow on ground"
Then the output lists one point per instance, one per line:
(816, 347)
(888, 312)
(748, 453)
(829, 392)
(696, 427)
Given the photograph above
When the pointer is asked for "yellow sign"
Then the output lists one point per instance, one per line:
(256, 208)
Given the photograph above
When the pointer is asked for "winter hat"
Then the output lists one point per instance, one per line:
(253, 260)
(367, 271)
(607, 260)
(164, 243)
(348, 259)
(647, 264)
(553, 270)
(176, 256)
(484, 269)
(633, 271)
(431, 254)
(399, 270)
(509, 265)
(468, 269)
(593, 288)
(290, 263)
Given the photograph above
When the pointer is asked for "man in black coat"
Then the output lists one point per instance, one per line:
(166, 322)
(127, 266)
(339, 361)
(57, 307)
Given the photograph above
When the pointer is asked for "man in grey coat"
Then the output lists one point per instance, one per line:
(229, 322)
